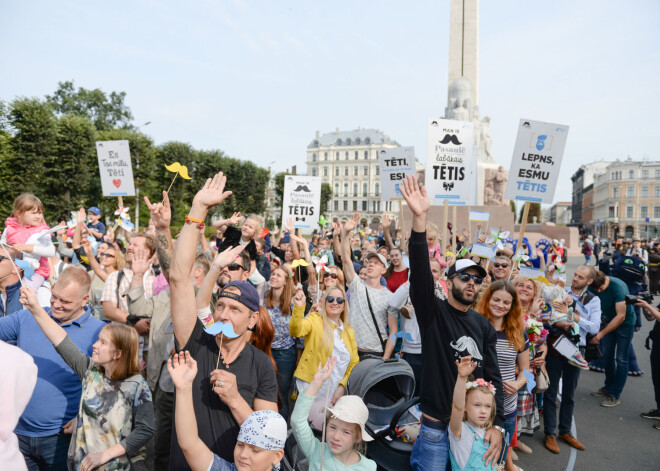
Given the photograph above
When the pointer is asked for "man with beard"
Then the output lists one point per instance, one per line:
(449, 330)
(558, 366)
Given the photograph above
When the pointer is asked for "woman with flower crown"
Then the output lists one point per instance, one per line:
(500, 305)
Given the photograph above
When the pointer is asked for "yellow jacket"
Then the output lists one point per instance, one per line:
(311, 327)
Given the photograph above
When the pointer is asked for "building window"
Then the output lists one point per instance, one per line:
(630, 191)
(345, 189)
(645, 191)
(325, 156)
(337, 155)
(657, 173)
(354, 205)
(346, 156)
(336, 205)
(314, 172)
(355, 171)
(378, 170)
(656, 191)
(337, 171)
(366, 154)
(356, 155)
(615, 192)
(656, 212)
(378, 191)
(644, 212)
(629, 212)
(645, 174)
(364, 189)
(378, 206)
(345, 205)
(355, 189)
(325, 171)
(336, 189)
(366, 170)
(631, 174)
(611, 213)
(364, 205)
(314, 157)
(346, 171)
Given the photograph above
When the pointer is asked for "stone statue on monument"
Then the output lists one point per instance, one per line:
(495, 185)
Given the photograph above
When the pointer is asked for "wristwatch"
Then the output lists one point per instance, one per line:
(500, 429)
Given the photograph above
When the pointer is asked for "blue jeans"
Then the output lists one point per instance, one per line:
(587, 259)
(509, 428)
(45, 453)
(286, 365)
(559, 367)
(616, 348)
(431, 449)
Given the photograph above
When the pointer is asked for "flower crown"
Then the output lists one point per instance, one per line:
(480, 382)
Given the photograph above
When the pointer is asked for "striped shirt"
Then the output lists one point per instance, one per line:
(110, 287)
(507, 358)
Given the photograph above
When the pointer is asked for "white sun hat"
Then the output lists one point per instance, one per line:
(351, 409)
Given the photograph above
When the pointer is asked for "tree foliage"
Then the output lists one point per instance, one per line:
(326, 196)
(47, 147)
(534, 210)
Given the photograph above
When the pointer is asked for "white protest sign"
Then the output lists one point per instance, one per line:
(115, 168)
(301, 200)
(395, 164)
(533, 274)
(450, 162)
(482, 250)
(536, 161)
(479, 215)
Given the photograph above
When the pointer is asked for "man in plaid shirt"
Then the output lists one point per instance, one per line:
(115, 307)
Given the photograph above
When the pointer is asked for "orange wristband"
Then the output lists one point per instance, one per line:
(199, 222)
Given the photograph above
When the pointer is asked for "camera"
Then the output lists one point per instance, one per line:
(643, 296)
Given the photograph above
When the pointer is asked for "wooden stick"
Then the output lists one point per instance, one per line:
(455, 229)
(403, 245)
(444, 228)
(523, 225)
(168, 190)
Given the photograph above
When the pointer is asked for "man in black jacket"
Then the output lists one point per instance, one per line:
(450, 330)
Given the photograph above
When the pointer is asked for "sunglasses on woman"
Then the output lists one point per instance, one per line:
(106, 255)
(332, 299)
(465, 277)
(330, 275)
(500, 265)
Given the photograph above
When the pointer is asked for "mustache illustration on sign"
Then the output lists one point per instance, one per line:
(450, 138)
(448, 186)
(302, 188)
(222, 328)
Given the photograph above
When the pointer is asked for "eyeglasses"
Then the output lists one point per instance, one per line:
(330, 275)
(332, 299)
(106, 255)
(465, 277)
(235, 266)
(500, 265)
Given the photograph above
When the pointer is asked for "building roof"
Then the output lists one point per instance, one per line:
(352, 138)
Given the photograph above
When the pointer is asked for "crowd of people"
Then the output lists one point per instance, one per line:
(213, 348)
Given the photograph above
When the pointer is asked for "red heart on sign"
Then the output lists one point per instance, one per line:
(117, 183)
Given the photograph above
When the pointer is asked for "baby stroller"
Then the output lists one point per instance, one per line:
(386, 387)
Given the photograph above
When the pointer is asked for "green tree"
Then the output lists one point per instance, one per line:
(279, 194)
(534, 210)
(326, 196)
(513, 207)
(105, 111)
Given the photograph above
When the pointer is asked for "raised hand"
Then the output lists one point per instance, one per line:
(299, 298)
(82, 214)
(228, 256)
(417, 199)
(290, 226)
(235, 218)
(465, 366)
(29, 298)
(183, 369)
(212, 193)
(386, 222)
(141, 262)
(325, 371)
(352, 223)
(161, 213)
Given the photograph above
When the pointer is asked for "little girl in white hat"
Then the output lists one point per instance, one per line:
(344, 428)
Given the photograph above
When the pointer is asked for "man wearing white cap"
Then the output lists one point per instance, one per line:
(371, 314)
(450, 330)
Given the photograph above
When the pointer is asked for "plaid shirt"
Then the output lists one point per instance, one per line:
(110, 287)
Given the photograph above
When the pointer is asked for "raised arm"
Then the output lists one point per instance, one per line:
(184, 315)
(292, 231)
(386, 232)
(80, 221)
(465, 366)
(161, 215)
(96, 266)
(223, 259)
(347, 259)
(295, 239)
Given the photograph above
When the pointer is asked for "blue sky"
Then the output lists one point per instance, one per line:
(257, 79)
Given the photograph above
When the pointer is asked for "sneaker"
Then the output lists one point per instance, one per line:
(522, 448)
(635, 373)
(579, 361)
(596, 369)
(610, 402)
(652, 414)
(602, 392)
(656, 425)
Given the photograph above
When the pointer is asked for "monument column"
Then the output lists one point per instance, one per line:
(464, 43)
